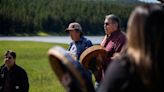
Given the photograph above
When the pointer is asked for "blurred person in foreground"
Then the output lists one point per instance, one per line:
(70, 72)
(13, 78)
(141, 67)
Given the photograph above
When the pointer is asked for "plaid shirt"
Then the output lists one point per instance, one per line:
(113, 44)
(79, 46)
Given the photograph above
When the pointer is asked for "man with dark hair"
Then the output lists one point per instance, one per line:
(79, 42)
(13, 78)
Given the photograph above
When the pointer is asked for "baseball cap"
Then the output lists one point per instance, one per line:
(74, 26)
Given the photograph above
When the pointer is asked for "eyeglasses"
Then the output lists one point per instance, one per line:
(106, 23)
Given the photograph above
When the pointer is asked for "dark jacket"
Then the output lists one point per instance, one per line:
(15, 80)
(121, 76)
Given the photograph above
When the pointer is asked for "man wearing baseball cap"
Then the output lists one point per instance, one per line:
(79, 42)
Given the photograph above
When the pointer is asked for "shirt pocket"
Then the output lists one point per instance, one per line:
(110, 46)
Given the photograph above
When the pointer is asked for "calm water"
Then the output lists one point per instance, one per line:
(52, 39)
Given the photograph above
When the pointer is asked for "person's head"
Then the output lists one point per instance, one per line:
(111, 24)
(75, 31)
(9, 58)
(145, 35)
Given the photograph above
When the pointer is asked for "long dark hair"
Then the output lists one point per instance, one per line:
(145, 43)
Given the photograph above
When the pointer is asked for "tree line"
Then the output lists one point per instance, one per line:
(29, 17)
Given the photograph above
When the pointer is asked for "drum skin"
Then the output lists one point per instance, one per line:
(95, 54)
(60, 62)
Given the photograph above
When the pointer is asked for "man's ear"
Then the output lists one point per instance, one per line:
(115, 26)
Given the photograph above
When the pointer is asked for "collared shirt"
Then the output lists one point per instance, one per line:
(113, 44)
(79, 46)
(13, 80)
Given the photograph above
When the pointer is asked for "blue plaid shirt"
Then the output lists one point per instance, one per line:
(78, 47)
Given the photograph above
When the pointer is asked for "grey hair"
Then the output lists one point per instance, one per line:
(114, 19)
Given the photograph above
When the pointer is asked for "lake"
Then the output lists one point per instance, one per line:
(52, 39)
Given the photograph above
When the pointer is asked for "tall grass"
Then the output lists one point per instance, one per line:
(32, 56)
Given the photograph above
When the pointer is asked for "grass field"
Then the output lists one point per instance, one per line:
(32, 56)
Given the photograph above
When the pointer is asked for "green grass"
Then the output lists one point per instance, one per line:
(32, 56)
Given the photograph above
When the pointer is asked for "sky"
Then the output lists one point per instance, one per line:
(154, 1)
